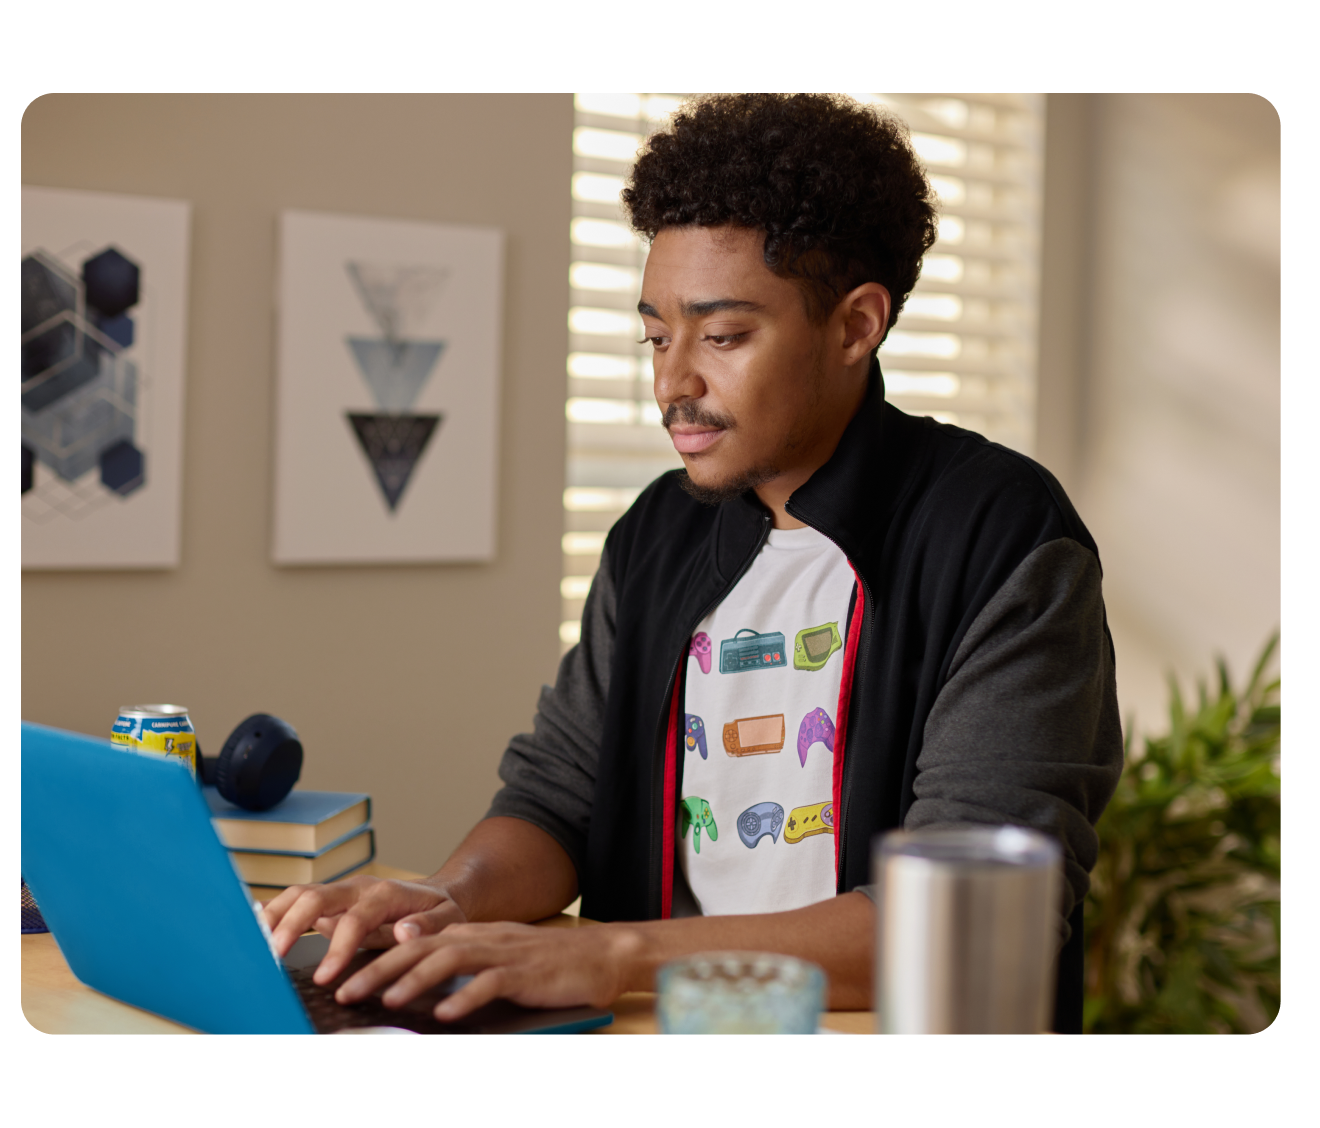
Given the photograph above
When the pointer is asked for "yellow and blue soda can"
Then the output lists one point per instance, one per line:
(164, 730)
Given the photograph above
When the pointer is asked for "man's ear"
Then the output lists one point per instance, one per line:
(865, 319)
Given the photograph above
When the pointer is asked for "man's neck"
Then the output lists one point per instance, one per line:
(775, 493)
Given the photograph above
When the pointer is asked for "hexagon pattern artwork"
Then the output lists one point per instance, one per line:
(104, 330)
(110, 282)
(80, 392)
(121, 467)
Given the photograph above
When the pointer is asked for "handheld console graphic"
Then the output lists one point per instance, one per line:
(815, 726)
(699, 648)
(751, 736)
(804, 822)
(695, 812)
(695, 729)
(752, 652)
(813, 646)
(759, 820)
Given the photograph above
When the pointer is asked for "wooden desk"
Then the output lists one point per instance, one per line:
(54, 1002)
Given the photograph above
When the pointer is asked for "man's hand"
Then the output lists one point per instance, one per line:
(359, 912)
(505, 869)
(594, 964)
(536, 967)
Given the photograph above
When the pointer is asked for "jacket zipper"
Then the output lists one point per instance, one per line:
(841, 820)
(658, 811)
(847, 791)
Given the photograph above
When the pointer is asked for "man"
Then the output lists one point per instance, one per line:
(839, 619)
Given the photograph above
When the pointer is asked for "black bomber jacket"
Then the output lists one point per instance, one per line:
(978, 683)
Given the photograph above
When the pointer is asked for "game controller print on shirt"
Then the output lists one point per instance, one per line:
(806, 822)
(694, 729)
(695, 812)
(699, 648)
(748, 650)
(815, 726)
(759, 820)
(771, 643)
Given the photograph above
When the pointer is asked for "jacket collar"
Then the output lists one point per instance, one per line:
(853, 497)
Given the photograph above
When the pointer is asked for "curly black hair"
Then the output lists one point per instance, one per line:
(834, 185)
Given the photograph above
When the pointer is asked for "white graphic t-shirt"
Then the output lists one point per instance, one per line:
(756, 820)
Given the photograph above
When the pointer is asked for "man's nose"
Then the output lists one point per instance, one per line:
(677, 373)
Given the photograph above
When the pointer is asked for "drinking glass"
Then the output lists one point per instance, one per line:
(966, 930)
(740, 993)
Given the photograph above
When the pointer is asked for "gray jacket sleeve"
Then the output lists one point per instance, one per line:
(549, 774)
(1026, 730)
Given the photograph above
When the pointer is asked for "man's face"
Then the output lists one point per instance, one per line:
(742, 376)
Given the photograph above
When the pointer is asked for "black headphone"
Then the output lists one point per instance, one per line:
(258, 765)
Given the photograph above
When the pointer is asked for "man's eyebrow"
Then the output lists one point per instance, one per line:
(705, 308)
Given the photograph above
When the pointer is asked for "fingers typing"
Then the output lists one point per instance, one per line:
(308, 904)
(493, 983)
(377, 905)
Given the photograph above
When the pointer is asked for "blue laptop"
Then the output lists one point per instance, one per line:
(146, 906)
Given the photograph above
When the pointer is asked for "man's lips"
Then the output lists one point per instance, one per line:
(692, 440)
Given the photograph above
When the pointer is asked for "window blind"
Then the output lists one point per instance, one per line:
(963, 350)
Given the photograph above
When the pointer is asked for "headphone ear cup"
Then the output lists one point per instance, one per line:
(225, 771)
(260, 763)
(272, 767)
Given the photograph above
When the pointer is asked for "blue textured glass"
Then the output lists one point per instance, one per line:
(740, 993)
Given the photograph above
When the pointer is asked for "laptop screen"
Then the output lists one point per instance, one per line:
(119, 852)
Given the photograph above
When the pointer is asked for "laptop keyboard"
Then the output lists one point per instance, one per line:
(328, 1016)
(497, 1017)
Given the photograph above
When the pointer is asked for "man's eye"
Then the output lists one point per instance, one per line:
(724, 338)
(655, 342)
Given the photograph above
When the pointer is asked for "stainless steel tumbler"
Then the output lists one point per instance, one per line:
(966, 932)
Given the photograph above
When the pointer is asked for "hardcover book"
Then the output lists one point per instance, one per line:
(268, 868)
(305, 822)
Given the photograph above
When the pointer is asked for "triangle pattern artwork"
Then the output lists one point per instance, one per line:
(393, 443)
(395, 372)
(395, 367)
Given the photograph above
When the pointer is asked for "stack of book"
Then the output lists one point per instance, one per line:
(310, 836)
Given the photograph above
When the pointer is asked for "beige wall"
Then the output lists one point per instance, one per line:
(1159, 380)
(402, 681)
(1158, 408)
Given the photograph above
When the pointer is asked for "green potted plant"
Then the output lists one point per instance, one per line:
(1182, 922)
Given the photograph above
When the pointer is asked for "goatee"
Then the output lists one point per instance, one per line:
(692, 412)
(727, 490)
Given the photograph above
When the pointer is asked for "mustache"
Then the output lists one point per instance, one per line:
(692, 413)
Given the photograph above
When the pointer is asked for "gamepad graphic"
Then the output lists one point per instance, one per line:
(815, 726)
(695, 729)
(748, 650)
(804, 822)
(700, 647)
(813, 646)
(759, 820)
(696, 813)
